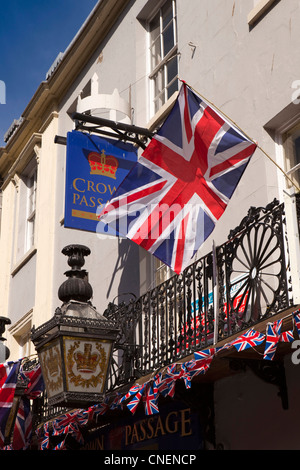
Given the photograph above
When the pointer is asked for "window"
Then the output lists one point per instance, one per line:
(162, 272)
(25, 345)
(260, 7)
(291, 144)
(163, 54)
(21, 332)
(31, 206)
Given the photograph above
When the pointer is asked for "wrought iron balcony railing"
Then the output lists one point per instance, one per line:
(240, 283)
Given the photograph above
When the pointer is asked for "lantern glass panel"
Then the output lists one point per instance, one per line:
(52, 369)
(86, 363)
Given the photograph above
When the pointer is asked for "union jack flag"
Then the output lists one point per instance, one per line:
(287, 336)
(23, 426)
(199, 366)
(150, 400)
(171, 200)
(62, 424)
(100, 409)
(296, 317)
(116, 403)
(205, 353)
(35, 380)
(134, 403)
(85, 416)
(248, 340)
(186, 376)
(68, 424)
(8, 381)
(157, 379)
(43, 436)
(134, 389)
(166, 385)
(193, 368)
(273, 333)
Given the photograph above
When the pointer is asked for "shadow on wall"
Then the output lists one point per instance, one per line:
(127, 265)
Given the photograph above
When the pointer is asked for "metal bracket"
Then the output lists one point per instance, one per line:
(120, 131)
(125, 132)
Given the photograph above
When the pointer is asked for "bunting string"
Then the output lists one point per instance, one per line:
(162, 383)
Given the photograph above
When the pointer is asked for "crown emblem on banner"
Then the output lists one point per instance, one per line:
(86, 361)
(102, 164)
(52, 363)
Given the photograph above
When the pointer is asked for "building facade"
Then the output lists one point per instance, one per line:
(125, 64)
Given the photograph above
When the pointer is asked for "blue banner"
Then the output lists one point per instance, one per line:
(95, 168)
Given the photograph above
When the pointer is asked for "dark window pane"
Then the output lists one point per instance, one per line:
(172, 69)
(154, 28)
(168, 39)
(167, 13)
(297, 150)
(172, 88)
(155, 53)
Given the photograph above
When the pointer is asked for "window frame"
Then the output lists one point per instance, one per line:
(160, 96)
(260, 7)
(30, 209)
(292, 167)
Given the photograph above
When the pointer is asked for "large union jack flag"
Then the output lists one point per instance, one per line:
(171, 200)
(8, 382)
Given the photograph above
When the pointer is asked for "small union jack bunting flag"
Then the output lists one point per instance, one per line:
(206, 353)
(186, 376)
(43, 436)
(101, 409)
(287, 336)
(296, 317)
(132, 391)
(150, 400)
(273, 334)
(248, 340)
(200, 366)
(134, 403)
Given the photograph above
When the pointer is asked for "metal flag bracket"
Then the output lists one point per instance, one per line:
(117, 130)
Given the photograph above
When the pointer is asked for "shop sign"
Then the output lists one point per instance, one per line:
(95, 168)
(173, 428)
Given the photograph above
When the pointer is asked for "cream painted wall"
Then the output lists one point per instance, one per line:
(28, 277)
(6, 245)
(113, 265)
(46, 222)
(235, 66)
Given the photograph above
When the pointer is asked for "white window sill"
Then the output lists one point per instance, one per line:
(259, 10)
(162, 113)
(28, 255)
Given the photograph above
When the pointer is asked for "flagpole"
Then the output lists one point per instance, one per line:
(215, 293)
(248, 137)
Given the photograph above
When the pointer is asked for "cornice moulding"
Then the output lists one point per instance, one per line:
(51, 92)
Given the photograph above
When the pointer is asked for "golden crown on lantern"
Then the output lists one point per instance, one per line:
(86, 361)
(102, 164)
(52, 363)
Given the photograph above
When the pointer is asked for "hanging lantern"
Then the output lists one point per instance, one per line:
(75, 346)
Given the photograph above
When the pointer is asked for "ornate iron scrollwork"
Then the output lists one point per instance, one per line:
(125, 363)
(178, 316)
(256, 283)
